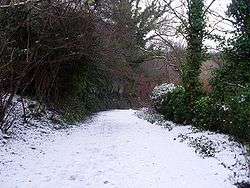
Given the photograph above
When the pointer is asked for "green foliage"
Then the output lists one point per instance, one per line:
(204, 112)
(235, 74)
(133, 22)
(240, 115)
(195, 31)
(89, 93)
(175, 106)
(73, 110)
(227, 109)
(231, 116)
(240, 11)
(232, 82)
(211, 115)
(139, 21)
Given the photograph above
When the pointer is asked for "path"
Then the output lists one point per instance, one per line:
(116, 149)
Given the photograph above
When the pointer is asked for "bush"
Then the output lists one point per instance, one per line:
(160, 94)
(240, 115)
(231, 116)
(209, 114)
(172, 102)
(227, 110)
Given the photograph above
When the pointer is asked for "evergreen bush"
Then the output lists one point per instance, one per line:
(172, 102)
(231, 116)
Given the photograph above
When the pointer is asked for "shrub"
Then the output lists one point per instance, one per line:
(161, 93)
(172, 102)
(240, 115)
(208, 114)
(231, 116)
(231, 82)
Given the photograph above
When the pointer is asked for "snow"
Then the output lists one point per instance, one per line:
(161, 91)
(225, 108)
(114, 149)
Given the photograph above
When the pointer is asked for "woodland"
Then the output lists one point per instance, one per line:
(80, 57)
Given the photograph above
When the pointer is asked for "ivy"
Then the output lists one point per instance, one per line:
(195, 56)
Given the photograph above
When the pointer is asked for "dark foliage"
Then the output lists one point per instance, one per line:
(195, 57)
(232, 82)
(45, 47)
(175, 106)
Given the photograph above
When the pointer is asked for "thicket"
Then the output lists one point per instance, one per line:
(48, 52)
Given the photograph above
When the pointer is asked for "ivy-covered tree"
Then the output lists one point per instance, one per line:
(192, 19)
(195, 36)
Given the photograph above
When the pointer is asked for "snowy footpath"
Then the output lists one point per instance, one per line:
(113, 149)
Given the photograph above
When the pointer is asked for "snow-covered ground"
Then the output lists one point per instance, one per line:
(118, 149)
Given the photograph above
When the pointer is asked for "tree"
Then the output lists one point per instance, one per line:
(195, 36)
(131, 25)
(240, 11)
(231, 85)
(235, 74)
(125, 34)
(191, 15)
(45, 47)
